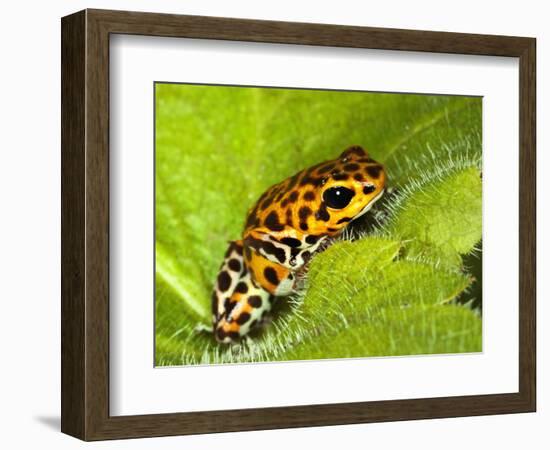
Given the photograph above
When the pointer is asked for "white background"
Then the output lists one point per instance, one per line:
(138, 388)
(30, 170)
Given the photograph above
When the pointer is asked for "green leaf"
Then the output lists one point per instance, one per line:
(440, 217)
(382, 293)
(400, 331)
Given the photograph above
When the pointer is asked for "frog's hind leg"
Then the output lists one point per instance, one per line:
(246, 308)
(238, 303)
(230, 272)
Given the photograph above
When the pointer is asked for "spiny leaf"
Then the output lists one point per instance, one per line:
(441, 219)
(400, 331)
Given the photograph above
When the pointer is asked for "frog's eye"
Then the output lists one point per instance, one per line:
(338, 197)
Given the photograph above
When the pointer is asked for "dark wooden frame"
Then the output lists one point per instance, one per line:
(85, 224)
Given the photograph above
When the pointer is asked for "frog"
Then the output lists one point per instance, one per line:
(290, 222)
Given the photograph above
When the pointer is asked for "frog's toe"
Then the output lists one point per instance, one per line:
(226, 337)
(203, 328)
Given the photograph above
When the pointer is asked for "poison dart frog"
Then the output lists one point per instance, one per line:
(287, 225)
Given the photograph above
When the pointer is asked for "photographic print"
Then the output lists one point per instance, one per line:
(329, 219)
(304, 224)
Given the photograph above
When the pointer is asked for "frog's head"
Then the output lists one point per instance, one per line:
(349, 188)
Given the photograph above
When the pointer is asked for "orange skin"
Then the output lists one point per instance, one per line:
(283, 229)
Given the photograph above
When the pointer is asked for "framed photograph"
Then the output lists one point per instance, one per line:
(271, 224)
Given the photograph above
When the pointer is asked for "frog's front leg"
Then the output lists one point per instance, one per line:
(275, 278)
(238, 302)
